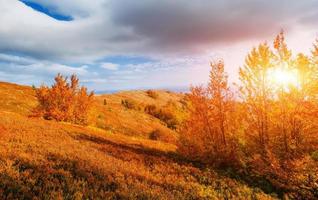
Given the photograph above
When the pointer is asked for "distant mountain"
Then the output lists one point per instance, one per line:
(182, 89)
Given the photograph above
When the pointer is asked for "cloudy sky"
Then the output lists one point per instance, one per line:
(125, 44)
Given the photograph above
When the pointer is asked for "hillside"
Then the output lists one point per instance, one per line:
(112, 117)
(17, 98)
(134, 122)
(51, 160)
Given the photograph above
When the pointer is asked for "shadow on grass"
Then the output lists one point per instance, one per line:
(55, 178)
(151, 156)
(133, 148)
(64, 178)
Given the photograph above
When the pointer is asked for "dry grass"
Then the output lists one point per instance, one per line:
(133, 122)
(142, 96)
(58, 160)
(17, 98)
(49, 160)
(112, 117)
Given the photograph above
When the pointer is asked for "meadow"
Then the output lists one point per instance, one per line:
(43, 159)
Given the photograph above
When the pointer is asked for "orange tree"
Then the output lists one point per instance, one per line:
(64, 101)
(206, 135)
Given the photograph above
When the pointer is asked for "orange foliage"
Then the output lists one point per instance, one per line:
(43, 159)
(272, 131)
(64, 101)
(280, 117)
(269, 138)
(166, 114)
(152, 94)
(206, 134)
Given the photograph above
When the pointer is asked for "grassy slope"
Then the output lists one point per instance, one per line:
(116, 118)
(112, 117)
(17, 98)
(57, 160)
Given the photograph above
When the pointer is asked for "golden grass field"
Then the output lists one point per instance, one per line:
(129, 121)
(49, 160)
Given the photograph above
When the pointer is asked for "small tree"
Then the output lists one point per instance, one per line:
(64, 101)
(206, 134)
(83, 103)
(257, 93)
(220, 100)
(197, 132)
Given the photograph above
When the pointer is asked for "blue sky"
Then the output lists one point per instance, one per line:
(50, 12)
(123, 44)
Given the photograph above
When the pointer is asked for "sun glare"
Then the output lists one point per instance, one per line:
(283, 78)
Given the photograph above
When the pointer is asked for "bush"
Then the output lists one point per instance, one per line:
(168, 117)
(151, 110)
(314, 155)
(130, 104)
(163, 114)
(64, 101)
(161, 135)
(152, 94)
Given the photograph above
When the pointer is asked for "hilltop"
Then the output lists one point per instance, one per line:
(111, 116)
(17, 98)
(133, 121)
(112, 160)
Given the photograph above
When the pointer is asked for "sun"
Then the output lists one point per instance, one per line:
(283, 78)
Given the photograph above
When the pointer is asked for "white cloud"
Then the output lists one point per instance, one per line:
(59, 68)
(25, 70)
(177, 34)
(109, 66)
(104, 27)
(36, 66)
(16, 59)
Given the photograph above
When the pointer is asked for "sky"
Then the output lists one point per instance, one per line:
(124, 44)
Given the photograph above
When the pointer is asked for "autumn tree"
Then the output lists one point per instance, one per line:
(295, 100)
(274, 127)
(197, 133)
(257, 93)
(278, 93)
(283, 62)
(205, 134)
(314, 74)
(64, 101)
(272, 106)
(306, 99)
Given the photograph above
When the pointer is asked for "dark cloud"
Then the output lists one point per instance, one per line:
(141, 27)
(188, 25)
(33, 45)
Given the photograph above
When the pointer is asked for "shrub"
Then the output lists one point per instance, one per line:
(185, 101)
(130, 104)
(151, 110)
(152, 94)
(164, 114)
(314, 155)
(161, 135)
(168, 117)
(64, 101)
